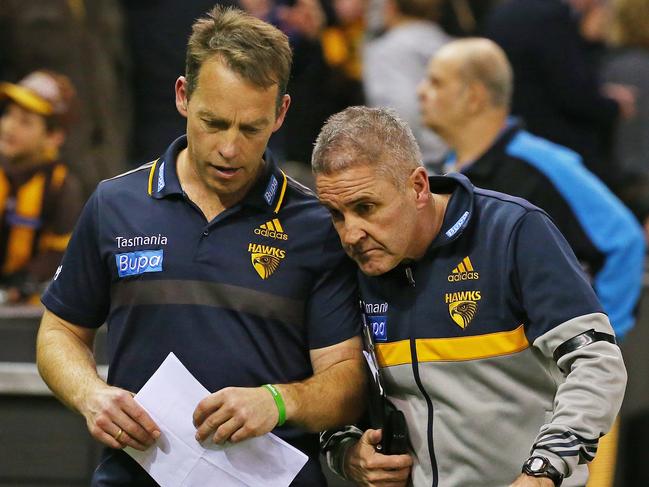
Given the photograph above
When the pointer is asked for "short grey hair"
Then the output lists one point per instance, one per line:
(360, 136)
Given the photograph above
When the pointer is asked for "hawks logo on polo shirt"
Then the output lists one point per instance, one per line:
(265, 259)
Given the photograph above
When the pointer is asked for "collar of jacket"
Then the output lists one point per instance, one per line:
(486, 164)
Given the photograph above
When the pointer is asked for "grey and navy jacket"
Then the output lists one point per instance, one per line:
(602, 232)
(494, 346)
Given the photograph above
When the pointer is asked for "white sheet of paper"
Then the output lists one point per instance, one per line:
(178, 460)
(374, 370)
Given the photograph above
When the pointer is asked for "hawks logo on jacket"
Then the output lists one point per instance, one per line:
(463, 305)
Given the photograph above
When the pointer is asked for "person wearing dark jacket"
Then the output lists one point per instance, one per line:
(473, 298)
(556, 89)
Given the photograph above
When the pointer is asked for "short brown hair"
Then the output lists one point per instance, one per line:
(254, 49)
(360, 136)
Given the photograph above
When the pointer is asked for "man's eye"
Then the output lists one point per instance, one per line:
(364, 208)
(336, 215)
(214, 124)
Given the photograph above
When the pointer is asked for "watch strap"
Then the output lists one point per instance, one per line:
(546, 469)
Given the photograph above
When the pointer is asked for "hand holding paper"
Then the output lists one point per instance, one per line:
(235, 414)
(116, 419)
(170, 397)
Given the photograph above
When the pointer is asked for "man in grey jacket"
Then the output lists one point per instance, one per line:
(488, 335)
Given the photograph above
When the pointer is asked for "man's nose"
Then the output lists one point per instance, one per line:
(353, 232)
(229, 147)
(421, 90)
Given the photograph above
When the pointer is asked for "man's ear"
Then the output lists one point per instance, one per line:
(477, 97)
(281, 112)
(419, 183)
(181, 96)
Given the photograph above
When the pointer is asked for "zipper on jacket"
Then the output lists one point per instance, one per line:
(411, 279)
(429, 402)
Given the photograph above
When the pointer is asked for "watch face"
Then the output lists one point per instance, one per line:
(537, 464)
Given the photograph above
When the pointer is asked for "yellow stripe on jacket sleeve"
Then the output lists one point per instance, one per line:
(280, 200)
(151, 173)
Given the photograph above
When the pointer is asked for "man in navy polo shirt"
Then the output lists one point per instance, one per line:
(212, 253)
(489, 336)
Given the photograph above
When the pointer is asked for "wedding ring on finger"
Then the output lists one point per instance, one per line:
(119, 434)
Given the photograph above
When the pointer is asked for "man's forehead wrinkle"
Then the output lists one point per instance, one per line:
(346, 191)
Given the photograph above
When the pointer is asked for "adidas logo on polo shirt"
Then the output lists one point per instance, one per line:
(273, 229)
(463, 272)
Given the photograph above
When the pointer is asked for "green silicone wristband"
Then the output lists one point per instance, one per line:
(279, 402)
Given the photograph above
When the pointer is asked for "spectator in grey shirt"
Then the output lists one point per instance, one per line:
(395, 63)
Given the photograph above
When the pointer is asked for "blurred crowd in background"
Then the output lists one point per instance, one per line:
(87, 92)
(581, 79)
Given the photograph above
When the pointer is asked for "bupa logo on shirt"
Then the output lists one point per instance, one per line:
(269, 194)
(161, 177)
(139, 262)
(458, 224)
(378, 323)
(379, 327)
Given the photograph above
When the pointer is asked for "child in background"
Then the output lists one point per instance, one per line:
(39, 199)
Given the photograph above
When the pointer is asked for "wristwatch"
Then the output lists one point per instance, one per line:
(538, 466)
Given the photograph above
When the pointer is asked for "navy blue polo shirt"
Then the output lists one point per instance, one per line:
(240, 299)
